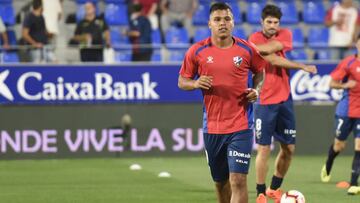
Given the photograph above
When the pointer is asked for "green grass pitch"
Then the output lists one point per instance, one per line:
(110, 180)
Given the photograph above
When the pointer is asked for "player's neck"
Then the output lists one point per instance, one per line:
(222, 43)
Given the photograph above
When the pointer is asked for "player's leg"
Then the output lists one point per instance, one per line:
(355, 168)
(285, 134)
(216, 154)
(343, 126)
(239, 154)
(264, 128)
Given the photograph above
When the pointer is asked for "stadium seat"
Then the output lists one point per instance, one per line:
(240, 32)
(116, 14)
(236, 12)
(298, 37)
(176, 38)
(7, 14)
(297, 55)
(323, 54)
(228, 1)
(201, 15)
(115, 1)
(177, 55)
(10, 57)
(318, 37)
(119, 41)
(156, 38)
(5, 1)
(290, 14)
(250, 1)
(123, 56)
(201, 33)
(253, 12)
(156, 56)
(85, 1)
(313, 12)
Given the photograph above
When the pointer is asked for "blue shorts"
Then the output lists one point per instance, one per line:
(344, 125)
(275, 120)
(228, 153)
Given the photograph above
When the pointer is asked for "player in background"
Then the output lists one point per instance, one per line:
(274, 114)
(219, 66)
(346, 76)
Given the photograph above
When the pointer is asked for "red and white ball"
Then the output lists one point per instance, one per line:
(292, 196)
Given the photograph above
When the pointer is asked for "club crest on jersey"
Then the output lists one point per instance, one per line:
(210, 59)
(237, 61)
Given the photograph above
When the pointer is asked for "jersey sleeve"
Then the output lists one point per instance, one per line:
(340, 71)
(253, 39)
(358, 18)
(329, 14)
(285, 38)
(258, 63)
(189, 65)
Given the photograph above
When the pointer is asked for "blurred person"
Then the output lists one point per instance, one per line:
(274, 114)
(52, 14)
(175, 12)
(90, 33)
(343, 19)
(149, 8)
(34, 33)
(4, 37)
(140, 35)
(219, 67)
(346, 76)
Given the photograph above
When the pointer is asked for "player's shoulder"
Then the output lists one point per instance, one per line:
(284, 32)
(196, 47)
(256, 35)
(349, 59)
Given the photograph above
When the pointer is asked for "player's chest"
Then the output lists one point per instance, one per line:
(355, 71)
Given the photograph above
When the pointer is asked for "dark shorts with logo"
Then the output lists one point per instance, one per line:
(275, 120)
(228, 153)
(344, 125)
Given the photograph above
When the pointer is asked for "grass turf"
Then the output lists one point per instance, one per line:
(110, 180)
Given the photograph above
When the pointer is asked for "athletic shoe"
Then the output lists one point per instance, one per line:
(354, 190)
(324, 176)
(261, 199)
(274, 194)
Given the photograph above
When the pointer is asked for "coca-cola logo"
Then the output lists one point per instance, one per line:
(313, 87)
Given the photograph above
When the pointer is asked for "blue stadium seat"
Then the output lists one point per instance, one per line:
(156, 39)
(85, 1)
(236, 12)
(177, 55)
(116, 14)
(176, 38)
(201, 33)
(313, 12)
(123, 56)
(119, 41)
(240, 32)
(290, 14)
(10, 57)
(323, 54)
(253, 14)
(318, 37)
(156, 56)
(5, 1)
(250, 1)
(201, 15)
(7, 14)
(297, 55)
(115, 1)
(298, 37)
(228, 1)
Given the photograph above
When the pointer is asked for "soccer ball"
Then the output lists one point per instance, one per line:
(292, 196)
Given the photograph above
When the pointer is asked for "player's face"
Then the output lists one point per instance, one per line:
(270, 25)
(221, 23)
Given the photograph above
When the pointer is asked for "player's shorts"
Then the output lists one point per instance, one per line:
(344, 125)
(228, 153)
(275, 120)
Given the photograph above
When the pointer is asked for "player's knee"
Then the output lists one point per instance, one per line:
(238, 181)
(339, 146)
(288, 151)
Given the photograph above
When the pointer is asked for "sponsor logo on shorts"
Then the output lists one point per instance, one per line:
(290, 132)
(241, 161)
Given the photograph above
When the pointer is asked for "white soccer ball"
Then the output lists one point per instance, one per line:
(292, 196)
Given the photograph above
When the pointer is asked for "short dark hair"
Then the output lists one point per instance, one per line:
(36, 4)
(219, 6)
(271, 10)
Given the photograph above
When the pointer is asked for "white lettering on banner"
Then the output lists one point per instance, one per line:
(4, 89)
(105, 88)
(303, 86)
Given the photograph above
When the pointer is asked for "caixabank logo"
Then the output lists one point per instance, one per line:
(68, 87)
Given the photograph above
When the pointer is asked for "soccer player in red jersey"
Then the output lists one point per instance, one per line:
(346, 76)
(274, 115)
(219, 66)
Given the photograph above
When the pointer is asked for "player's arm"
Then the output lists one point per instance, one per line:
(276, 60)
(270, 47)
(258, 81)
(335, 84)
(203, 82)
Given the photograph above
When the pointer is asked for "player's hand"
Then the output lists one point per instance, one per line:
(203, 82)
(310, 69)
(350, 84)
(251, 95)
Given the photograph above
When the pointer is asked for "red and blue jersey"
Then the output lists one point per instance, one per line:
(225, 103)
(276, 88)
(348, 69)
